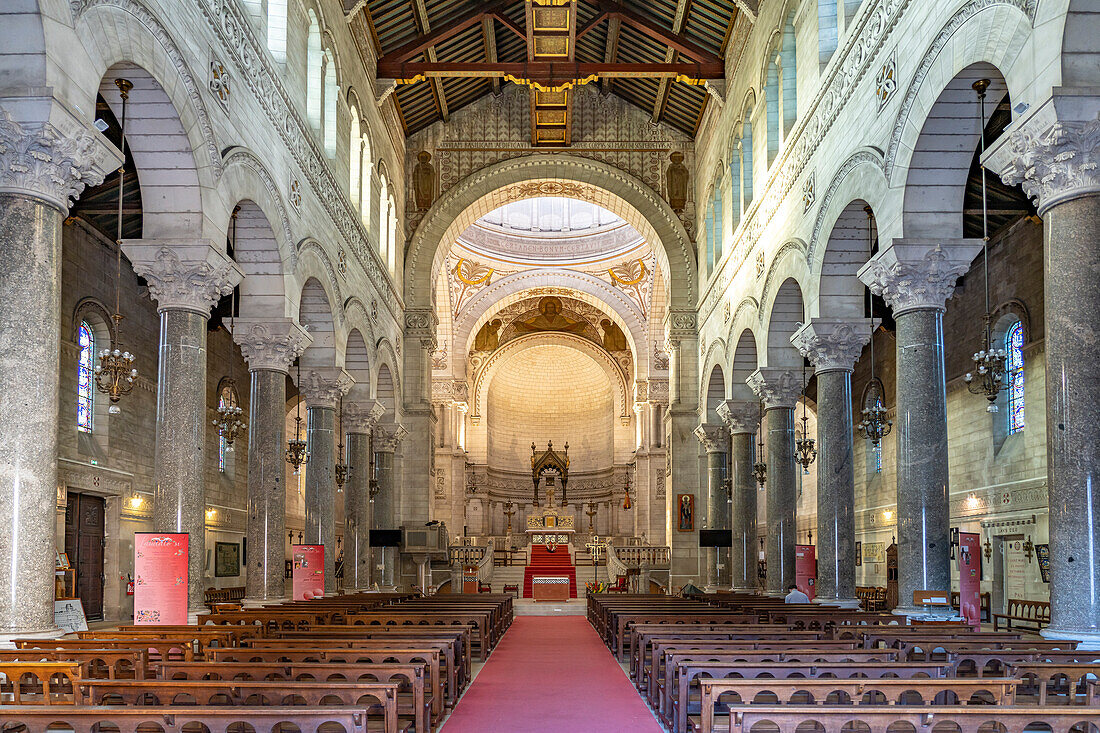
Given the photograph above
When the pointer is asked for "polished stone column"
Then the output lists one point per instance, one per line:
(779, 388)
(714, 439)
(43, 167)
(743, 419)
(1053, 154)
(269, 346)
(359, 419)
(386, 438)
(916, 277)
(833, 346)
(186, 277)
(321, 388)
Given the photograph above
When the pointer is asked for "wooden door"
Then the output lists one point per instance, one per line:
(84, 536)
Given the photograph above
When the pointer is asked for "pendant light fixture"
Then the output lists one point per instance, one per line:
(341, 469)
(874, 426)
(760, 468)
(296, 453)
(229, 422)
(115, 373)
(989, 362)
(805, 448)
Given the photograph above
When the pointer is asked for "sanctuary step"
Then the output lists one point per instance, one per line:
(544, 562)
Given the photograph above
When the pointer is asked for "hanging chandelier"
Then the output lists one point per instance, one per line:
(229, 422)
(296, 453)
(874, 426)
(627, 503)
(341, 469)
(760, 468)
(805, 446)
(988, 377)
(115, 372)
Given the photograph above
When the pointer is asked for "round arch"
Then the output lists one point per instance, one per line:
(743, 362)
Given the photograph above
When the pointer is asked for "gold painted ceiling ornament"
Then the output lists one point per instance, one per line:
(629, 273)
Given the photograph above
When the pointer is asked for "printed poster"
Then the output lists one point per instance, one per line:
(308, 572)
(160, 586)
(970, 578)
(68, 614)
(805, 569)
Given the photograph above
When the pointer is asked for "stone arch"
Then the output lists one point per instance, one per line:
(315, 313)
(246, 177)
(357, 363)
(385, 391)
(787, 314)
(715, 357)
(313, 261)
(484, 375)
(789, 261)
(257, 253)
(482, 191)
(715, 394)
(995, 32)
(840, 294)
(357, 316)
(858, 177)
(744, 362)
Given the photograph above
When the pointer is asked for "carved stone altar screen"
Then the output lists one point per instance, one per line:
(549, 467)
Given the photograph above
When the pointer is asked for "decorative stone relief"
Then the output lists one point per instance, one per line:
(386, 437)
(809, 193)
(832, 343)
(439, 359)
(324, 387)
(219, 84)
(295, 196)
(726, 312)
(361, 417)
(712, 437)
(911, 274)
(661, 483)
(194, 283)
(45, 163)
(886, 82)
(660, 358)
(342, 262)
(778, 387)
(760, 264)
(270, 345)
(658, 390)
(740, 416)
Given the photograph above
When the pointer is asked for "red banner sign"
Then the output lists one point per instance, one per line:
(160, 585)
(308, 571)
(970, 578)
(805, 569)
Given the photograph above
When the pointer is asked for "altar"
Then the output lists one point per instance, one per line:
(550, 574)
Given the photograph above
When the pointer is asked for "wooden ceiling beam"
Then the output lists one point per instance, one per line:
(661, 99)
(583, 30)
(547, 71)
(509, 24)
(420, 10)
(662, 35)
(611, 49)
(489, 38)
(470, 17)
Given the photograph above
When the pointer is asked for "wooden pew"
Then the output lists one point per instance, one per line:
(1046, 674)
(94, 663)
(478, 622)
(1023, 611)
(49, 683)
(158, 649)
(174, 719)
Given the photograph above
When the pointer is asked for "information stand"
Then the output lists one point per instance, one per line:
(160, 588)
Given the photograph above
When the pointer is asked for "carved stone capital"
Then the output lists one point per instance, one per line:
(681, 324)
(361, 417)
(270, 343)
(1053, 152)
(386, 437)
(833, 343)
(53, 156)
(916, 274)
(420, 322)
(658, 390)
(739, 416)
(778, 387)
(183, 274)
(325, 386)
(711, 436)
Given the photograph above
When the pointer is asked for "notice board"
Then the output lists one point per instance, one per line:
(161, 575)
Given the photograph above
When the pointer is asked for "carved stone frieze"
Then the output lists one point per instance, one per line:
(270, 343)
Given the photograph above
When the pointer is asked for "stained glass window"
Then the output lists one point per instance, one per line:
(85, 376)
(1014, 366)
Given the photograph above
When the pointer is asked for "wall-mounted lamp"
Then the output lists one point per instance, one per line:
(888, 515)
(1029, 549)
(136, 501)
(987, 549)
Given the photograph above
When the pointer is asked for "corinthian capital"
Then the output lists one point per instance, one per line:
(183, 274)
(361, 417)
(778, 387)
(833, 343)
(711, 436)
(270, 343)
(1053, 152)
(386, 437)
(913, 274)
(52, 160)
(324, 386)
(741, 417)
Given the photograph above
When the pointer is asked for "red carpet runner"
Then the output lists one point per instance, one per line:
(551, 674)
(544, 562)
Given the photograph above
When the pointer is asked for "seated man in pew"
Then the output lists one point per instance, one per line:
(794, 595)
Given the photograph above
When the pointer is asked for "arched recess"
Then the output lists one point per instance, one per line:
(314, 262)
(744, 362)
(786, 316)
(246, 177)
(789, 261)
(385, 392)
(315, 313)
(263, 289)
(542, 175)
(1079, 44)
(357, 364)
(991, 33)
(840, 294)
(484, 375)
(716, 394)
(860, 176)
(715, 357)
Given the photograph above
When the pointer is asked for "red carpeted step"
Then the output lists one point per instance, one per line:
(544, 562)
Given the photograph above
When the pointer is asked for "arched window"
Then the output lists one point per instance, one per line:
(710, 237)
(313, 72)
(276, 29)
(85, 378)
(828, 32)
(355, 160)
(771, 105)
(392, 236)
(383, 217)
(366, 167)
(1014, 378)
(788, 77)
(331, 92)
(735, 186)
(746, 161)
(718, 221)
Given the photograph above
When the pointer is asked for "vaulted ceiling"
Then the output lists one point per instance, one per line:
(655, 55)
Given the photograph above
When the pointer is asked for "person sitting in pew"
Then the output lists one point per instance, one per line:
(794, 595)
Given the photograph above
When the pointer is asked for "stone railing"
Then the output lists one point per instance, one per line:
(643, 557)
(461, 555)
(615, 566)
(485, 565)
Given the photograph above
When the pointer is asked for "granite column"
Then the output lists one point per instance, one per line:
(714, 439)
(44, 168)
(916, 277)
(386, 438)
(269, 346)
(322, 388)
(1054, 154)
(779, 388)
(833, 346)
(358, 422)
(186, 277)
(743, 419)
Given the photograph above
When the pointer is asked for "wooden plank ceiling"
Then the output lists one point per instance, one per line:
(447, 54)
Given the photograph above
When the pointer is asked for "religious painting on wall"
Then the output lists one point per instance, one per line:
(685, 514)
(227, 559)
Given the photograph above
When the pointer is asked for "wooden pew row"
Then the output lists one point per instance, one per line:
(94, 663)
(482, 636)
(180, 719)
(46, 683)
